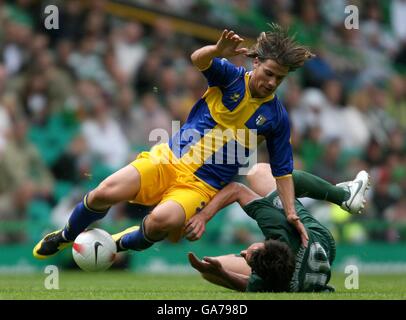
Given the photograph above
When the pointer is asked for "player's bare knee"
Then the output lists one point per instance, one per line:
(103, 194)
(252, 173)
(257, 171)
(164, 221)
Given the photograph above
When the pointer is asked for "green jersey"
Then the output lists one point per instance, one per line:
(312, 271)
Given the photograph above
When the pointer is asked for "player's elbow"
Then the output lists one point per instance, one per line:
(194, 57)
(235, 187)
(236, 190)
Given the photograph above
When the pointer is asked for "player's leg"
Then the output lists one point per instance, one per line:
(261, 180)
(179, 203)
(120, 186)
(165, 218)
(350, 197)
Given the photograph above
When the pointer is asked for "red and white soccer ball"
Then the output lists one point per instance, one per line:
(94, 250)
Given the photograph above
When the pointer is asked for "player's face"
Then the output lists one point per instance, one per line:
(247, 254)
(266, 77)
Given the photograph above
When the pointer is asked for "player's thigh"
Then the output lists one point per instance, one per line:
(191, 200)
(261, 180)
(234, 263)
(122, 185)
(155, 179)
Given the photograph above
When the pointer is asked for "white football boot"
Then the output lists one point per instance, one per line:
(357, 188)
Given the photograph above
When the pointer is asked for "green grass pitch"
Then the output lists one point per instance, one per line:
(130, 285)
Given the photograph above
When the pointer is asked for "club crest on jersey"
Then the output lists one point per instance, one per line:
(260, 120)
(235, 97)
(277, 203)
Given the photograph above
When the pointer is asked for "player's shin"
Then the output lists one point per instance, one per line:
(136, 240)
(81, 217)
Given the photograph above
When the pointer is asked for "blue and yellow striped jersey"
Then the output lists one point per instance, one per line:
(217, 137)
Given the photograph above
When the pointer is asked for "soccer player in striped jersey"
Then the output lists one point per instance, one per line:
(281, 263)
(180, 177)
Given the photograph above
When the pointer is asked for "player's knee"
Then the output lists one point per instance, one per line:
(164, 221)
(258, 170)
(104, 193)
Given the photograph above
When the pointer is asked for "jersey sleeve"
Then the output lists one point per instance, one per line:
(222, 73)
(279, 147)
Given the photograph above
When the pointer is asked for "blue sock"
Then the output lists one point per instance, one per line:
(81, 217)
(136, 240)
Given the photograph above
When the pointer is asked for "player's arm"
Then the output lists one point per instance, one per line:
(212, 270)
(233, 192)
(286, 193)
(225, 47)
(235, 281)
(281, 160)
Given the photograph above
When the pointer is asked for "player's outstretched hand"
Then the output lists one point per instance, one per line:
(198, 264)
(207, 265)
(295, 220)
(195, 227)
(227, 44)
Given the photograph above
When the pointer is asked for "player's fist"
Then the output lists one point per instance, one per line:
(195, 227)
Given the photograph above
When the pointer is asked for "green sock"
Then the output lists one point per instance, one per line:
(308, 185)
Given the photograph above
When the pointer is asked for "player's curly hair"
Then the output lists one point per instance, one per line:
(275, 265)
(278, 45)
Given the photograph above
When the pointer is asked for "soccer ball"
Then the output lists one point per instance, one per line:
(94, 250)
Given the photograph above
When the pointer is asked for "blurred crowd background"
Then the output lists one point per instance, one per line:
(79, 102)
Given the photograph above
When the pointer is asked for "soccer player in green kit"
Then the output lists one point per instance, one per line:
(281, 263)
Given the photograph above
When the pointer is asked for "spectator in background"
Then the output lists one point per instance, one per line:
(153, 116)
(149, 70)
(5, 126)
(396, 103)
(88, 64)
(72, 16)
(356, 135)
(378, 120)
(105, 140)
(398, 14)
(307, 26)
(179, 107)
(378, 44)
(316, 111)
(138, 119)
(59, 81)
(384, 195)
(311, 149)
(129, 51)
(16, 40)
(31, 180)
(329, 168)
(396, 216)
(169, 83)
(63, 51)
(3, 79)
(342, 51)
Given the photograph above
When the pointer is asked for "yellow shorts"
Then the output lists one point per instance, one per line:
(163, 180)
